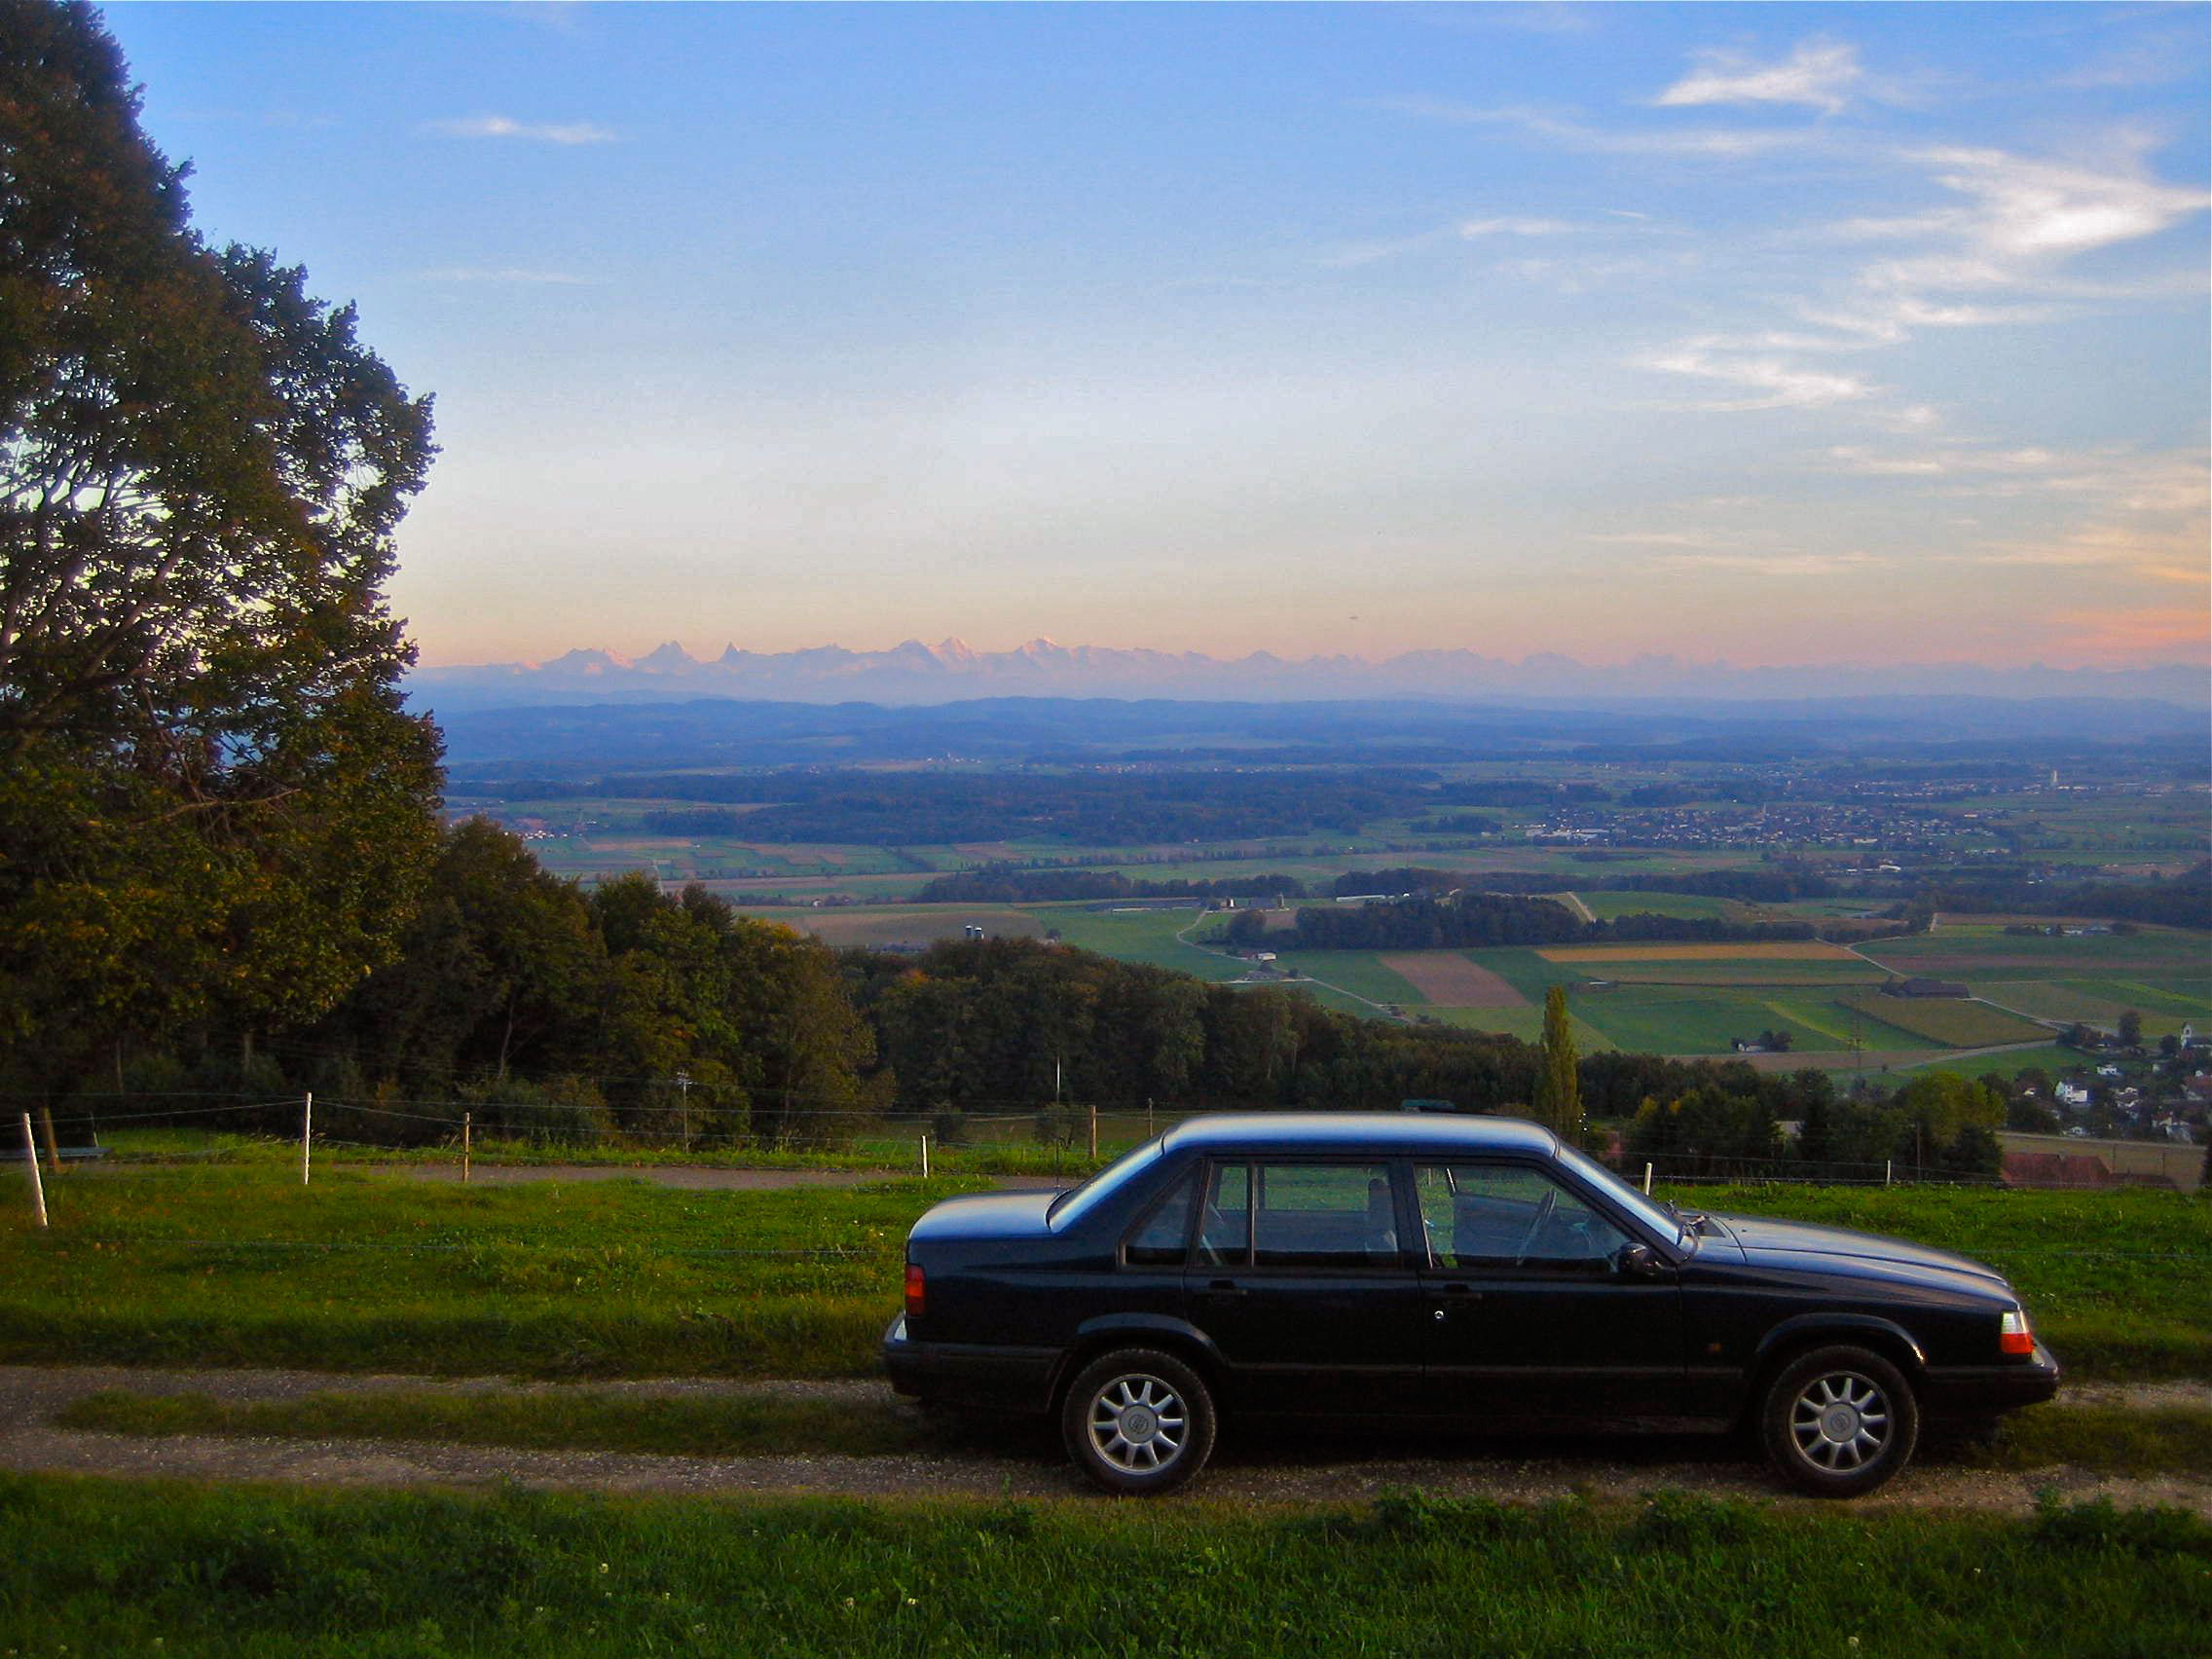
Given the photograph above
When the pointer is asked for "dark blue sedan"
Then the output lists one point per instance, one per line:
(1464, 1271)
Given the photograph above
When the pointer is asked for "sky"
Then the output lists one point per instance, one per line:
(1761, 333)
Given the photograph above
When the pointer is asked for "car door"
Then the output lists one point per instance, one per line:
(1301, 1279)
(1530, 1315)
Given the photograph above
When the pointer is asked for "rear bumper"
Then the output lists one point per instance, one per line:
(1983, 1390)
(969, 1373)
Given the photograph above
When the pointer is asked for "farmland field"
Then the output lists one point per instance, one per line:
(2101, 1002)
(1452, 980)
(1955, 1022)
(1793, 951)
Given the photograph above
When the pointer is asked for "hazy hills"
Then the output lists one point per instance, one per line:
(914, 672)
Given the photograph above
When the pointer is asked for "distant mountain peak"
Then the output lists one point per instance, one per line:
(954, 671)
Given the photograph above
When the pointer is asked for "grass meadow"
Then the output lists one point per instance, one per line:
(238, 1265)
(103, 1566)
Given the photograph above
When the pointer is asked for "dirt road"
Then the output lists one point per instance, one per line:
(1020, 1461)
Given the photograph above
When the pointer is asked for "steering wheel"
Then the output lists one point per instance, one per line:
(1543, 1214)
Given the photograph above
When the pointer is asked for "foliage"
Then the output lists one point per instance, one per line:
(213, 811)
(507, 970)
(1559, 1089)
(982, 1025)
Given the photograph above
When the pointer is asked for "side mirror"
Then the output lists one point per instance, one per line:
(1638, 1260)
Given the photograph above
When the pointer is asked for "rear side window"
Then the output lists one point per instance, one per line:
(1165, 1238)
(1325, 1215)
(1224, 1234)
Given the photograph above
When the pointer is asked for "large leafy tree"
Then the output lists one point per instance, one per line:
(214, 811)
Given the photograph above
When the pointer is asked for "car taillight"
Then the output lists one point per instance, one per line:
(2013, 1333)
(915, 1297)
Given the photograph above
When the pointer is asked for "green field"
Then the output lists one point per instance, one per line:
(239, 1265)
(2101, 1002)
(114, 1567)
(1950, 1023)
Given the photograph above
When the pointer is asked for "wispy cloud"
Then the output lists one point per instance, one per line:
(1819, 74)
(1513, 227)
(1570, 133)
(511, 274)
(1350, 255)
(1780, 565)
(1769, 382)
(536, 132)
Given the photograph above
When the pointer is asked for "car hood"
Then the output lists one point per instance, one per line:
(986, 1215)
(1767, 1242)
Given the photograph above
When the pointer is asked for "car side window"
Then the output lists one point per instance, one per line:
(1164, 1237)
(1225, 1233)
(1509, 1215)
(1324, 1215)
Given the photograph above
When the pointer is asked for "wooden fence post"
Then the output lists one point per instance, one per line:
(1648, 1180)
(306, 1133)
(464, 1148)
(925, 1157)
(46, 1128)
(31, 1164)
(1094, 1131)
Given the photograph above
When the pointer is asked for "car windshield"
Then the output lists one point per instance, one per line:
(1653, 1215)
(1072, 1205)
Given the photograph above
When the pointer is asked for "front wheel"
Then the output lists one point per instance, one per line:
(1138, 1422)
(1839, 1422)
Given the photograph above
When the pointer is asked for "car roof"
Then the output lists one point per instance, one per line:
(1359, 1131)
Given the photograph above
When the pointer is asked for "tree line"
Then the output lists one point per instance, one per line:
(1002, 883)
(1473, 920)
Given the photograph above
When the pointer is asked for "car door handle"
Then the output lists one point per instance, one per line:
(1224, 1287)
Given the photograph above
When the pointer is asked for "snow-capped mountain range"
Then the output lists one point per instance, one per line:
(954, 671)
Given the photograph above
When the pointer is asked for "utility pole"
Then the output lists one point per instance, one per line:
(683, 1094)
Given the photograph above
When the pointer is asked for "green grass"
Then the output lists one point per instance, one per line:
(2107, 1439)
(538, 1420)
(2113, 1280)
(239, 1266)
(991, 1146)
(102, 1566)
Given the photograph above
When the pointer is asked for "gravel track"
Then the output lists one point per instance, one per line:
(996, 1459)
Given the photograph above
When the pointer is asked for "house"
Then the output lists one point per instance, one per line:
(2072, 1094)
(2108, 1069)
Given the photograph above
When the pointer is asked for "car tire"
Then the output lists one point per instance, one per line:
(1138, 1422)
(1839, 1422)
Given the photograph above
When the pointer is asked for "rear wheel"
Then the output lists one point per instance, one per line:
(1138, 1422)
(1839, 1422)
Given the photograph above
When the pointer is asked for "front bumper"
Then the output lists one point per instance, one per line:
(1984, 1391)
(970, 1374)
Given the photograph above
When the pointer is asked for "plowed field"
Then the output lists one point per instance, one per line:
(1450, 981)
